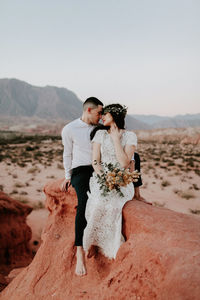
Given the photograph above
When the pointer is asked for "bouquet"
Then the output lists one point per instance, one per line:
(113, 178)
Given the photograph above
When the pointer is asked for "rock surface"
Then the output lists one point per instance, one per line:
(159, 260)
(14, 235)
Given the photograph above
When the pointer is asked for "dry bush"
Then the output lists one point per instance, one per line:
(19, 185)
(186, 195)
(23, 193)
(60, 166)
(22, 199)
(165, 183)
(38, 205)
(195, 211)
(33, 170)
(14, 192)
(155, 203)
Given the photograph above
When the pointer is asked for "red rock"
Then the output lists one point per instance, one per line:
(160, 259)
(14, 234)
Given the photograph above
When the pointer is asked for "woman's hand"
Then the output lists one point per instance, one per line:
(115, 133)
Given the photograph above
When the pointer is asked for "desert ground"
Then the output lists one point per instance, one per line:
(169, 167)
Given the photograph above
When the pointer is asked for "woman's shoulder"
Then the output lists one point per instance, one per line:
(98, 137)
(130, 137)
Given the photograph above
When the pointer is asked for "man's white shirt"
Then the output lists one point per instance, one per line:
(77, 145)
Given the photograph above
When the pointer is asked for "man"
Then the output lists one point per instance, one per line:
(135, 165)
(77, 159)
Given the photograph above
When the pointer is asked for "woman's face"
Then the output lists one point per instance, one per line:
(107, 119)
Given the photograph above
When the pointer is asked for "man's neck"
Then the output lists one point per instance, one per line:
(85, 119)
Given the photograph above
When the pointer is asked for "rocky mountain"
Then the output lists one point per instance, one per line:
(179, 121)
(20, 99)
(134, 124)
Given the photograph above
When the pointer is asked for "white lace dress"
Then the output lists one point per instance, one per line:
(104, 213)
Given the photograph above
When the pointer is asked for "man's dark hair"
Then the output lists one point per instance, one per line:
(91, 102)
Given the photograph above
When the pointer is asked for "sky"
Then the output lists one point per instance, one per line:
(141, 53)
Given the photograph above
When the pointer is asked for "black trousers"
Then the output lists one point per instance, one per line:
(80, 181)
(137, 167)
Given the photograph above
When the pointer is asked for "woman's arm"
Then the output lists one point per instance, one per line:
(124, 155)
(96, 158)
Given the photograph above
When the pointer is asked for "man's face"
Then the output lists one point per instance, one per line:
(95, 114)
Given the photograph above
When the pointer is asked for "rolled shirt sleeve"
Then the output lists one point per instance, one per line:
(68, 150)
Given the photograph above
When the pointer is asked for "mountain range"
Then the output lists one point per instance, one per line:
(19, 99)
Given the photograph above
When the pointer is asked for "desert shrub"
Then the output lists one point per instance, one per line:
(14, 191)
(155, 203)
(22, 199)
(19, 185)
(29, 148)
(197, 171)
(195, 211)
(21, 164)
(165, 183)
(195, 187)
(33, 170)
(51, 176)
(176, 191)
(186, 195)
(38, 205)
(23, 193)
(60, 166)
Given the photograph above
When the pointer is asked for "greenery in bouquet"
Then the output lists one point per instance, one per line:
(113, 178)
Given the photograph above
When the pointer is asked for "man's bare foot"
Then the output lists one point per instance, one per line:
(80, 262)
(92, 251)
(139, 198)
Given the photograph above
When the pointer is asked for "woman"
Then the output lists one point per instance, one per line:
(104, 213)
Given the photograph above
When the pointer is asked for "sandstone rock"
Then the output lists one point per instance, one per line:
(159, 260)
(14, 234)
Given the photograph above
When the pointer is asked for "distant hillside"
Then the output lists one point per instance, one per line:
(134, 124)
(20, 99)
(179, 121)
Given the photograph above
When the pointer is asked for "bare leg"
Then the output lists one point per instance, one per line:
(80, 262)
(137, 195)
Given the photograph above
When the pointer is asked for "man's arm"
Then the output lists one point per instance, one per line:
(67, 157)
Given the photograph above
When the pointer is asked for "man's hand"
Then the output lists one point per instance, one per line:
(65, 184)
(132, 166)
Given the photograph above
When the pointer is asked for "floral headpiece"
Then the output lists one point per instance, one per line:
(116, 110)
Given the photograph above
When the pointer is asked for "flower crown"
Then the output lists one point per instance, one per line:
(116, 110)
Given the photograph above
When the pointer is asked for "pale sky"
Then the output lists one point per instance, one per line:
(142, 53)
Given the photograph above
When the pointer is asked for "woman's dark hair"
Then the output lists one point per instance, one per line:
(118, 112)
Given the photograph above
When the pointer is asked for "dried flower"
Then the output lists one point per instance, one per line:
(122, 110)
(113, 178)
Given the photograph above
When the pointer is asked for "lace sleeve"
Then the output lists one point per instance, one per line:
(98, 137)
(131, 138)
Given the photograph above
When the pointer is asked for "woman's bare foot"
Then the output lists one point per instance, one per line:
(80, 262)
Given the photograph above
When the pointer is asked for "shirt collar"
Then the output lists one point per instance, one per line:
(83, 124)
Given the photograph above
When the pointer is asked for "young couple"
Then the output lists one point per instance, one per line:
(98, 218)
